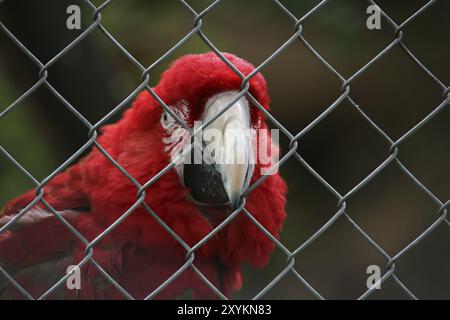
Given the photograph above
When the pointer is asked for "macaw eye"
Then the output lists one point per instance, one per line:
(166, 120)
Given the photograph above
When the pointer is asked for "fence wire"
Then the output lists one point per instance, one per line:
(295, 140)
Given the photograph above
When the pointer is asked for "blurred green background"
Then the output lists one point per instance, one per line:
(95, 77)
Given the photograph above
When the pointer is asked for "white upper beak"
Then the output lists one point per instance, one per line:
(229, 140)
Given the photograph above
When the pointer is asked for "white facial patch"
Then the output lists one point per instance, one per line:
(177, 136)
(181, 110)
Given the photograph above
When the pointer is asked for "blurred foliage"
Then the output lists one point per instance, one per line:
(22, 142)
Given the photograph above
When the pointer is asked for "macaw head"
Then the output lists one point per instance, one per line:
(205, 95)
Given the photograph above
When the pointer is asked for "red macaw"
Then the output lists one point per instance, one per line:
(191, 199)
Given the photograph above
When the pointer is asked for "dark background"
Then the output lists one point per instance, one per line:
(95, 77)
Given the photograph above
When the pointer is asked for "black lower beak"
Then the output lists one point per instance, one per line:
(205, 185)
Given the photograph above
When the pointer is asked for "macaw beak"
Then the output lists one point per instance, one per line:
(222, 162)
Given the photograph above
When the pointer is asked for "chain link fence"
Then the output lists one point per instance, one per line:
(295, 138)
